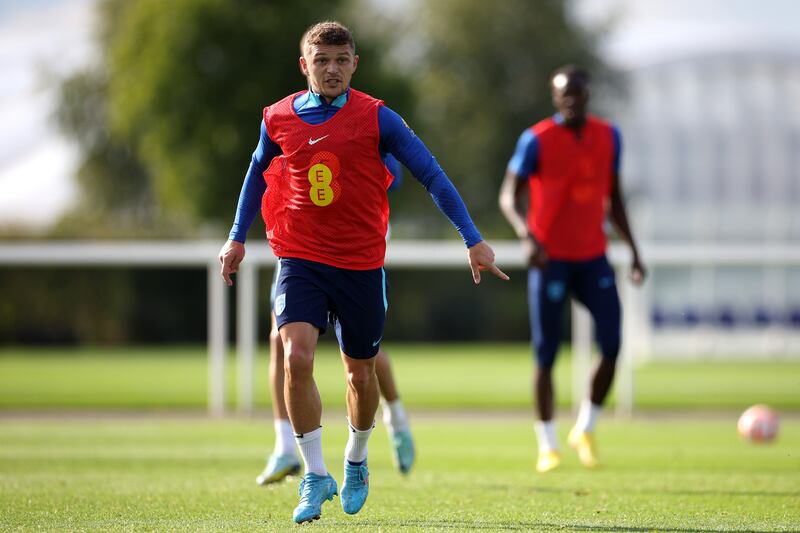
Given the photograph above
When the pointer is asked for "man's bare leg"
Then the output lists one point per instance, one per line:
(301, 394)
(305, 412)
(602, 379)
(276, 373)
(362, 391)
(543, 391)
(283, 461)
(362, 403)
(394, 415)
(386, 383)
(549, 458)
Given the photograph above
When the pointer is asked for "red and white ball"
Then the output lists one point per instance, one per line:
(758, 424)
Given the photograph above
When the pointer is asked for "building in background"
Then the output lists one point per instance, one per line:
(710, 116)
(712, 155)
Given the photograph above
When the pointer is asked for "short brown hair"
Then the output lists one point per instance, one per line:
(328, 32)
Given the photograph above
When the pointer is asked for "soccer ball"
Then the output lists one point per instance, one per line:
(758, 424)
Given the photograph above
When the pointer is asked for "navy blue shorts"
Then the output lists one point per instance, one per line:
(593, 284)
(354, 301)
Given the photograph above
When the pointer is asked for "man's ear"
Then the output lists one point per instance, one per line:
(303, 66)
(355, 63)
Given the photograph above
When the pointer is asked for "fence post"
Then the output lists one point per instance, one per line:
(246, 328)
(217, 339)
(581, 352)
(625, 366)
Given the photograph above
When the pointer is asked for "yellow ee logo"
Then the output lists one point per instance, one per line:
(322, 173)
(320, 177)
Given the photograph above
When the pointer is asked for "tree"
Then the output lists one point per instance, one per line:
(188, 81)
(166, 122)
(169, 117)
(481, 71)
(115, 184)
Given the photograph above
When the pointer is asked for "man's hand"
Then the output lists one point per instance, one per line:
(638, 271)
(230, 256)
(481, 257)
(534, 252)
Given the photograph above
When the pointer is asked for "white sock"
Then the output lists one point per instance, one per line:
(587, 416)
(311, 449)
(546, 435)
(284, 438)
(394, 416)
(356, 449)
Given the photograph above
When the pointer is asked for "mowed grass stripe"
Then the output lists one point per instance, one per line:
(475, 376)
(141, 474)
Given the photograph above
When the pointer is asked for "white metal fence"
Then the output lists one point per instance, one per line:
(637, 330)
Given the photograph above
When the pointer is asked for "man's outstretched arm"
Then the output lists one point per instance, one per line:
(514, 194)
(399, 140)
(619, 215)
(253, 189)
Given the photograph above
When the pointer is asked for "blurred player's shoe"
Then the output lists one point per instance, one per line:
(278, 467)
(548, 461)
(355, 487)
(584, 445)
(314, 490)
(403, 447)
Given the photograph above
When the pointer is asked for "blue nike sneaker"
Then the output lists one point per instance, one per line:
(314, 490)
(355, 487)
(404, 453)
(278, 467)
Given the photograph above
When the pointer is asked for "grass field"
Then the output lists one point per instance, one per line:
(475, 473)
(476, 376)
(116, 440)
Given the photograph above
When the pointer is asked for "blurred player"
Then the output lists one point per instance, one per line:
(561, 182)
(326, 212)
(284, 460)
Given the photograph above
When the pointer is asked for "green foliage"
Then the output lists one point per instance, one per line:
(481, 73)
(116, 189)
(188, 82)
(79, 305)
(446, 305)
(480, 376)
(169, 118)
(113, 181)
(56, 308)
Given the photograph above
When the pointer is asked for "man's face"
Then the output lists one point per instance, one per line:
(328, 68)
(570, 95)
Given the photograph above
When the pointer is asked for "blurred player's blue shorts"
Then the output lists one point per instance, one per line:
(354, 301)
(593, 284)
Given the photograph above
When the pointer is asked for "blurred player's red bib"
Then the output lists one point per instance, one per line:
(326, 195)
(570, 190)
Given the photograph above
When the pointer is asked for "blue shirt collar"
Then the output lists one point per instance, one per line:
(313, 100)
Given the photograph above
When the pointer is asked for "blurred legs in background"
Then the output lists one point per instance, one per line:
(592, 284)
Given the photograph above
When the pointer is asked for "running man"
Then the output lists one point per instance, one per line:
(326, 212)
(284, 460)
(561, 182)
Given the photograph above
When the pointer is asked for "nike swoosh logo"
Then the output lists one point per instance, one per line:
(377, 341)
(315, 141)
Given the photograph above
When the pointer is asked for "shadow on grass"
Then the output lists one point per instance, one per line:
(466, 525)
(660, 491)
